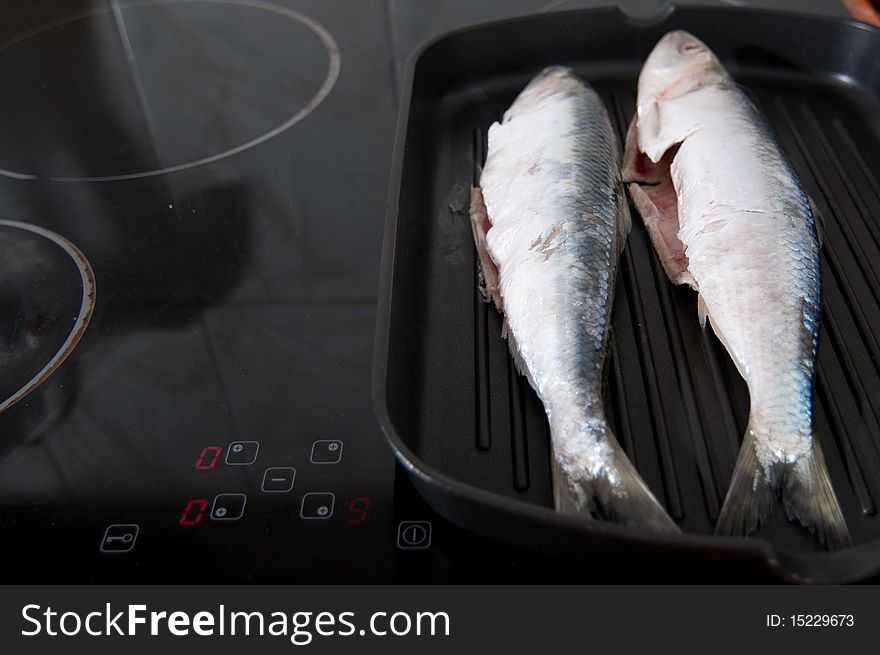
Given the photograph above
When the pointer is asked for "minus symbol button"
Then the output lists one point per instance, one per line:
(278, 479)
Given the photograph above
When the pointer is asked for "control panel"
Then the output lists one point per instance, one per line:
(231, 478)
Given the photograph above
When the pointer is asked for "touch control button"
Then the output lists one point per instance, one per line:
(228, 507)
(278, 479)
(241, 453)
(327, 452)
(119, 538)
(414, 535)
(317, 505)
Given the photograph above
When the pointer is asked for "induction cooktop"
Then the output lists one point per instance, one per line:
(191, 205)
(191, 198)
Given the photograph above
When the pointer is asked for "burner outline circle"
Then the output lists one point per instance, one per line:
(333, 69)
(84, 315)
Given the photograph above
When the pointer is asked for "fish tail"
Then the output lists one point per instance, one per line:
(616, 493)
(751, 495)
(809, 498)
(804, 487)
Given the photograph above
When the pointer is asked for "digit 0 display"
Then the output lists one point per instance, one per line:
(208, 457)
(193, 512)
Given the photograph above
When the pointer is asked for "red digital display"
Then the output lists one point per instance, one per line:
(194, 511)
(357, 509)
(208, 458)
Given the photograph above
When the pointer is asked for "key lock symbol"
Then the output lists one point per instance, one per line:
(119, 538)
(126, 539)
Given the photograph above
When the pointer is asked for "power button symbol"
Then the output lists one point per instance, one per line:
(413, 535)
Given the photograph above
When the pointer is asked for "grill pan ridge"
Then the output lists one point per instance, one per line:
(470, 430)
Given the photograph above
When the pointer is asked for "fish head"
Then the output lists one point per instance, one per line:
(551, 82)
(680, 63)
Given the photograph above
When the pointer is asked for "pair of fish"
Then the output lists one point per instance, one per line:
(727, 216)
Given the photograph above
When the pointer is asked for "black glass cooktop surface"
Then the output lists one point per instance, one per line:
(213, 421)
(192, 195)
(188, 398)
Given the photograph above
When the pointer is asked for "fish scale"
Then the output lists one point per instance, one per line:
(728, 216)
(550, 220)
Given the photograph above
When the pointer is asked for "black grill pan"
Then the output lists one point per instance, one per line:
(470, 430)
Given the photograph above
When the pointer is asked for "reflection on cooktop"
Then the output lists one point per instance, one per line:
(156, 86)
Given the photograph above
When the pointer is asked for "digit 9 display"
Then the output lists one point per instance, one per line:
(357, 510)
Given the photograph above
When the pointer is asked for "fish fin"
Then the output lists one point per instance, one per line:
(751, 494)
(661, 126)
(819, 221)
(638, 167)
(480, 225)
(806, 494)
(513, 347)
(719, 334)
(702, 311)
(650, 137)
(809, 498)
(616, 493)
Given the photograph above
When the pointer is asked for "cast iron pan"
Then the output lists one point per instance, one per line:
(472, 433)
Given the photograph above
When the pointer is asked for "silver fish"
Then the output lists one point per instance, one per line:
(728, 216)
(549, 220)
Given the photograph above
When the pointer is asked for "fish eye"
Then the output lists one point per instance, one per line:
(689, 48)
